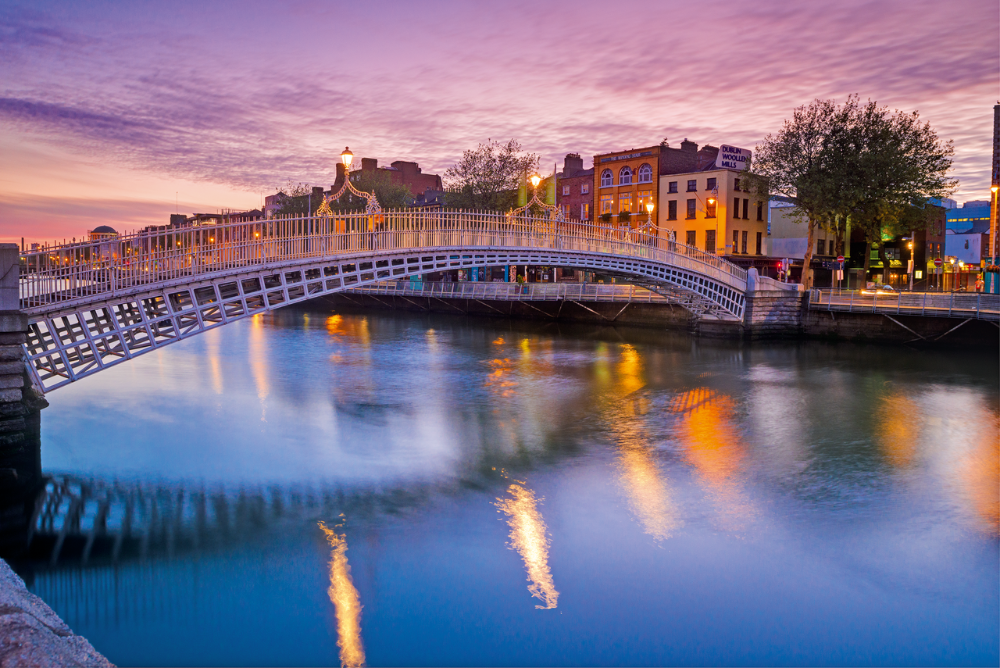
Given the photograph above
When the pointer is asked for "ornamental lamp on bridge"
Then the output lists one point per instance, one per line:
(372, 208)
(555, 213)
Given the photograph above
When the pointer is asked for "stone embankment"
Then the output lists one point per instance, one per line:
(32, 634)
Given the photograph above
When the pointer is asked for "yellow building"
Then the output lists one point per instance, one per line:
(709, 210)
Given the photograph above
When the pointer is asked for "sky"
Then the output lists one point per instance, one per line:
(122, 113)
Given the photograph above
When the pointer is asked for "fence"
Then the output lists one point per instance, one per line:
(125, 263)
(978, 306)
(516, 292)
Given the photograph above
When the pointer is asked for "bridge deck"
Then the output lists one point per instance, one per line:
(976, 306)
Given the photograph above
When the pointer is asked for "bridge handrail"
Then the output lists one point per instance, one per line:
(976, 305)
(63, 272)
(513, 291)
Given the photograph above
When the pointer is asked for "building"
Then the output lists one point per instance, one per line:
(408, 174)
(575, 189)
(624, 181)
(788, 234)
(963, 219)
(101, 233)
(709, 209)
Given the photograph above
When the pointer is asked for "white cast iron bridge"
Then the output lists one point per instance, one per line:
(92, 305)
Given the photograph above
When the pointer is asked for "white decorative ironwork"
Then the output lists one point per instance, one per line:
(89, 309)
(555, 213)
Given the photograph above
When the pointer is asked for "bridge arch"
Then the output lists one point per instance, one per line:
(92, 307)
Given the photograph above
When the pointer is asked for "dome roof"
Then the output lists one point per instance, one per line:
(104, 229)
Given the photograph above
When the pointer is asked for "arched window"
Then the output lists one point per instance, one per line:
(606, 178)
(645, 174)
(625, 176)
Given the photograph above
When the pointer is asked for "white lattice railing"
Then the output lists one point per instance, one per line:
(940, 304)
(59, 273)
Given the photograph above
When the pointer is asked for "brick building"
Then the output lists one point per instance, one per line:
(406, 173)
(624, 181)
(575, 189)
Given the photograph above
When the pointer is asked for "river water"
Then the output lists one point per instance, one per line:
(433, 490)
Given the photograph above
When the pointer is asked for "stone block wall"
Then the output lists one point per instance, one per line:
(774, 314)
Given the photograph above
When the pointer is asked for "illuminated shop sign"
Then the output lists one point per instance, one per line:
(731, 157)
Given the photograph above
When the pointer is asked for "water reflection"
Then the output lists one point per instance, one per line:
(258, 362)
(980, 475)
(529, 537)
(713, 446)
(346, 601)
(898, 425)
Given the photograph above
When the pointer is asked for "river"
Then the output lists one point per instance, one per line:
(435, 490)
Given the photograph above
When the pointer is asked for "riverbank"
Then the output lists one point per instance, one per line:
(770, 315)
(32, 634)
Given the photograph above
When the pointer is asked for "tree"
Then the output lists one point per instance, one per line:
(857, 163)
(793, 163)
(488, 176)
(893, 164)
(294, 200)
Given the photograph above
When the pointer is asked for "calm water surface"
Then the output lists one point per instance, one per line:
(433, 490)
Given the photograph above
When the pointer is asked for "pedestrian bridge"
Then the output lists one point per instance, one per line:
(96, 304)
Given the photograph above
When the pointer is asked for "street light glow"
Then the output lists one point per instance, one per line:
(346, 157)
(649, 207)
(535, 180)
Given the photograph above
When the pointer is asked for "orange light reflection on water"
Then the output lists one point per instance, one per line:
(345, 599)
(899, 422)
(529, 537)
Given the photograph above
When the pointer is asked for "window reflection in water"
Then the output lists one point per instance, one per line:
(345, 599)
(980, 475)
(212, 338)
(713, 446)
(899, 421)
(639, 473)
(529, 537)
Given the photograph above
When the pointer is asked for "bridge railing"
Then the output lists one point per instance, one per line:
(108, 266)
(973, 305)
(514, 291)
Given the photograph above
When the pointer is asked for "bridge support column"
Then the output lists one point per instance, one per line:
(20, 417)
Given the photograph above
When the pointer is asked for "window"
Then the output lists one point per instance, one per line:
(585, 189)
(736, 187)
(966, 244)
(625, 176)
(644, 196)
(565, 210)
(743, 246)
(585, 212)
(690, 209)
(691, 238)
(821, 247)
(565, 190)
(710, 184)
(736, 241)
(746, 209)
(710, 241)
(710, 208)
(692, 186)
(606, 202)
(606, 179)
(760, 242)
(672, 187)
(736, 207)
(624, 202)
(672, 210)
(760, 211)
(645, 174)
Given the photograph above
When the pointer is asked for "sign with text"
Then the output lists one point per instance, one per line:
(731, 157)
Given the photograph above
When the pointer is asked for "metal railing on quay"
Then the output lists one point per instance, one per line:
(59, 273)
(974, 305)
(514, 291)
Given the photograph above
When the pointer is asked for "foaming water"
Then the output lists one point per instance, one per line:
(666, 500)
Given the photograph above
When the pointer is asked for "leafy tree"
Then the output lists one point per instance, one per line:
(488, 176)
(856, 163)
(294, 200)
(793, 163)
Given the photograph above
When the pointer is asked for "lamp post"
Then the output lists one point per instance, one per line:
(554, 211)
(912, 263)
(372, 208)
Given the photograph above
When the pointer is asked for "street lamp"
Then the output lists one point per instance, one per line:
(372, 208)
(554, 211)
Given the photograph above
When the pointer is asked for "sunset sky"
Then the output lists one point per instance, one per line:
(123, 112)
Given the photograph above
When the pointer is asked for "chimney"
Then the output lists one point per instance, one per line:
(369, 164)
(572, 165)
(689, 146)
(341, 177)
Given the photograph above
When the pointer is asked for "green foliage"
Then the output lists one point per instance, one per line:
(488, 176)
(624, 217)
(606, 217)
(855, 162)
(293, 199)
